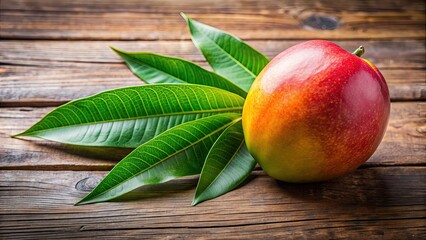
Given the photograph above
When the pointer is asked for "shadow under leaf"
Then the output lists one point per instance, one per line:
(170, 188)
(101, 153)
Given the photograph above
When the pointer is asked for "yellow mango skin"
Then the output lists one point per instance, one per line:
(315, 112)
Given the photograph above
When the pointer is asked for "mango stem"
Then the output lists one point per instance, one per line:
(359, 51)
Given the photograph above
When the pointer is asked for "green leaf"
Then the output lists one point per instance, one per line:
(128, 117)
(227, 165)
(228, 55)
(179, 151)
(155, 68)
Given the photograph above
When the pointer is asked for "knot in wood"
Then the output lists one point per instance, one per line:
(87, 184)
(321, 22)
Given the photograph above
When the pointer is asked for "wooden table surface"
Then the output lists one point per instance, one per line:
(54, 51)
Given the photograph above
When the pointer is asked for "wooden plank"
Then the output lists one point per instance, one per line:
(381, 203)
(48, 73)
(404, 143)
(46, 155)
(34, 86)
(250, 19)
(383, 53)
(48, 85)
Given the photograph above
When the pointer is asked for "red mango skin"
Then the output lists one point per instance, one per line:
(315, 112)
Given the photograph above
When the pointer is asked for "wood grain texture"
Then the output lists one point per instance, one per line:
(401, 54)
(381, 203)
(54, 51)
(48, 73)
(249, 19)
(51, 86)
(41, 154)
(404, 143)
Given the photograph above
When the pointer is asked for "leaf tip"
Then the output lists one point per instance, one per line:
(116, 50)
(198, 198)
(183, 15)
(120, 53)
(82, 202)
(15, 135)
(195, 201)
(18, 134)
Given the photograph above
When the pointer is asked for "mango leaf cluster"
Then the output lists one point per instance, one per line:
(185, 121)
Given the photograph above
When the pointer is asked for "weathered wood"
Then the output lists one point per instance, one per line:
(399, 54)
(46, 155)
(40, 180)
(381, 203)
(203, 6)
(52, 86)
(403, 144)
(250, 19)
(48, 73)
(49, 85)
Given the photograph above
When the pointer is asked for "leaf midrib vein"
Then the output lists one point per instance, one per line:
(230, 56)
(219, 110)
(141, 63)
(211, 75)
(170, 155)
(227, 164)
